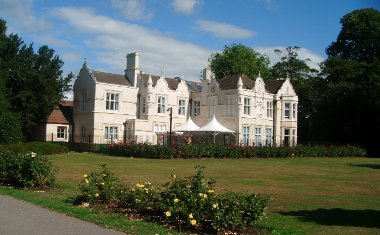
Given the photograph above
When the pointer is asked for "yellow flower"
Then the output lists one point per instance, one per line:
(86, 180)
(168, 214)
(102, 183)
(210, 191)
(85, 175)
(201, 194)
(133, 190)
(137, 200)
(176, 200)
(96, 194)
(193, 222)
(191, 216)
(214, 206)
(139, 185)
(173, 176)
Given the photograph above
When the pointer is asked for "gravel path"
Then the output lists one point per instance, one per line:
(19, 217)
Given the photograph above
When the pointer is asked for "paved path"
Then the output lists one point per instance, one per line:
(19, 218)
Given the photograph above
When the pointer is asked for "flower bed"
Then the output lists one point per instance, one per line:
(189, 204)
(26, 170)
(230, 151)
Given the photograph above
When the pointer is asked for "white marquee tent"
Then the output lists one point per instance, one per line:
(215, 127)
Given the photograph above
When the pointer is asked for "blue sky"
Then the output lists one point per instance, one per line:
(176, 36)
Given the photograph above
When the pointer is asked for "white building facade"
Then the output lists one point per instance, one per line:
(137, 106)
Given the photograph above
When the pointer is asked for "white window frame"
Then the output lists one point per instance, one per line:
(258, 141)
(161, 104)
(246, 130)
(287, 110)
(286, 135)
(61, 132)
(212, 102)
(268, 136)
(112, 101)
(111, 133)
(270, 109)
(228, 105)
(247, 106)
(196, 107)
(182, 107)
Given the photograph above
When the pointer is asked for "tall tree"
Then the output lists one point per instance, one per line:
(239, 59)
(290, 65)
(307, 86)
(352, 72)
(33, 81)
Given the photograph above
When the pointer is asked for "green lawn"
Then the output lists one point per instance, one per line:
(309, 195)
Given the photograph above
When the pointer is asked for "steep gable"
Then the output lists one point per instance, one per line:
(111, 78)
(230, 82)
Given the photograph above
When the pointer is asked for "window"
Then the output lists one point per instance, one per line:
(286, 137)
(112, 101)
(294, 111)
(268, 136)
(83, 100)
(247, 106)
(226, 139)
(228, 105)
(211, 106)
(110, 133)
(246, 135)
(269, 109)
(258, 136)
(161, 104)
(61, 132)
(143, 105)
(181, 107)
(197, 107)
(287, 110)
(83, 132)
(159, 128)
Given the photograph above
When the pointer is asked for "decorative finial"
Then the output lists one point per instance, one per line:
(259, 74)
(85, 61)
(162, 72)
(181, 76)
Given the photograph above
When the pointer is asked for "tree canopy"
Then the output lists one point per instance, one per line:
(352, 72)
(33, 83)
(239, 59)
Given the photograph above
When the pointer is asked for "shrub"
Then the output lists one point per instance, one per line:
(101, 187)
(231, 151)
(190, 203)
(27, 170)
(43, 148)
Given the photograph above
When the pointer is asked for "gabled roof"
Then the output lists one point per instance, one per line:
(173, 82)
(230, 82)
(272, 86)
(62, 114)
(111, 78)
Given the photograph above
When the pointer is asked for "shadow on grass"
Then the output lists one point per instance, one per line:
(372, 166)
(338, 217)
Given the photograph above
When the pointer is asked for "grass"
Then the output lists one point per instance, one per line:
(309, 195)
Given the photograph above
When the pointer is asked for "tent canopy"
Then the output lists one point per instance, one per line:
(214, 126)
(188, 126)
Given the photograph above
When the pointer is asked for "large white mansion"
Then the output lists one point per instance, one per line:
(136, 104)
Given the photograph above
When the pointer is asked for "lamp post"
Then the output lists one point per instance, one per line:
(125, 131)
(170, 110)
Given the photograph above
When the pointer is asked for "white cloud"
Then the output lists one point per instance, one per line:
(224, 30)
(133, 9)
(113, 39)
(303, 54)
(23, 18)
(186, 7)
